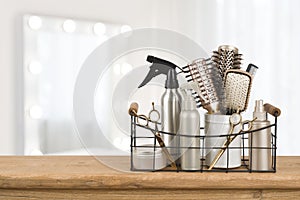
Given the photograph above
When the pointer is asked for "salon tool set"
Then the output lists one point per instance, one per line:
(227, 142)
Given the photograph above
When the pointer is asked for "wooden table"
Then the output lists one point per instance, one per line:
(84, 177)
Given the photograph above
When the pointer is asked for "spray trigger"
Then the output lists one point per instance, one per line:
(158, 67)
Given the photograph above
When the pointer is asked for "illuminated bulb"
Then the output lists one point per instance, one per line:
(126, 68)
(35, 22)
(35, 67)
(125, 28)
(69, 26)
(117, 69)
(35, 112)
(99, 29)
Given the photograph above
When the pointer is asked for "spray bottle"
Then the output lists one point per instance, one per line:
(189, 126)
(170, 101)
(260, 141)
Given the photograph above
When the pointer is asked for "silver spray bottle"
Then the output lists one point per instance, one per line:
(171, 108)
(260, 141)
(170, 102)
(189, 126)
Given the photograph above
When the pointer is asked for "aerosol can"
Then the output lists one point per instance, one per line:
(170, 102)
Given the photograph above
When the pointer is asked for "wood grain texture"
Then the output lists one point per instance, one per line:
(85, 172)
(134, 195)
(30, 194)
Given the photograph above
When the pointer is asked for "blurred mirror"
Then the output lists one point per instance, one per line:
(54, 49)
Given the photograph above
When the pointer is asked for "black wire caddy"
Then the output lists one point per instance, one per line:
(152, 150)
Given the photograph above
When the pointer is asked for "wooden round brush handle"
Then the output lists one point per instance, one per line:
(133, 109)
(272, 110)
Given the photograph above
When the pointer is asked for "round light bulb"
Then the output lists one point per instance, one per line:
(35, 67)
(35, 22)
(69, 26)
(99, 29)
(35, 112)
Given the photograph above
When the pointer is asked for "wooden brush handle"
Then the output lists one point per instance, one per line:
(133, 109)
(272, 110)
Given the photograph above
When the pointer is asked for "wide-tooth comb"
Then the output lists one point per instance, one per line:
(210, 91)
(227, 57)
(237, 90)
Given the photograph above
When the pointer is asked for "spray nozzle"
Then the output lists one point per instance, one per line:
(186, 90)
(189, 102)
(259, 111)
(194, 86)
(161, 66)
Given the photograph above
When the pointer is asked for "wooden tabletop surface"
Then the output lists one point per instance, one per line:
(87, 172)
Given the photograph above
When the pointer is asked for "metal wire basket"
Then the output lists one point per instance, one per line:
(152, 158)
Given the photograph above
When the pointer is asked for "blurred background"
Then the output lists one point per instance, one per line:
(44, 43)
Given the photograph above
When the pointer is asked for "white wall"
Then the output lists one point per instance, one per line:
(267, 32)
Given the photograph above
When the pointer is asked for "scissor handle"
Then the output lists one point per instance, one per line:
(250, 124)
(235, 119)
(144, 117)
(154, 111)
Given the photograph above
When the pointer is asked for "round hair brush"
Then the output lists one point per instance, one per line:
(210, 93)
(227, 57)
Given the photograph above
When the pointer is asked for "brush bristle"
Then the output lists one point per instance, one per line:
(237, 90)
(209, 80)
(227, 57)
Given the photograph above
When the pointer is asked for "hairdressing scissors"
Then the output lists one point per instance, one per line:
(153, 116)
(235, 120)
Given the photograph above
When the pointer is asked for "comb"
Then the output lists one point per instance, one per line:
(210, 91)
(227, 57)
(237, 90)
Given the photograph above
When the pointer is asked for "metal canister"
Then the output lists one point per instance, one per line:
(260, 141)
(171, 103)
(260, 147)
